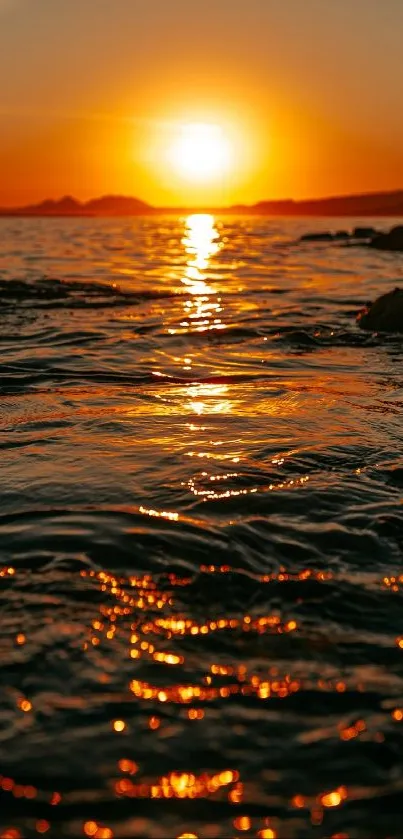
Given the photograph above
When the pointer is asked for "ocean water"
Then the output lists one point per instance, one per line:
(201, 532)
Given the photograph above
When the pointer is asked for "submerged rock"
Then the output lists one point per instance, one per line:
(327, 236)
(317, 237)
(392, 241)
(385, 314)
(364, 232)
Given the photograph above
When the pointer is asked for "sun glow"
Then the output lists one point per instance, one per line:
(201, 152)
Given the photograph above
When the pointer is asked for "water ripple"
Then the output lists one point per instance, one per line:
(201, 534)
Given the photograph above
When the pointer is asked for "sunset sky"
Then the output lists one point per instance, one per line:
(95, 95)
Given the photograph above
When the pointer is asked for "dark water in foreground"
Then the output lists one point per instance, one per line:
(201, 533)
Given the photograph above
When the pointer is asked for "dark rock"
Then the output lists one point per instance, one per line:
(385, 314)
(317, 237)
(395, 476)
(368, 236)
(364, 232)
(392, 241)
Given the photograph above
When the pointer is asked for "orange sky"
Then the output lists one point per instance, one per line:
(92, 92)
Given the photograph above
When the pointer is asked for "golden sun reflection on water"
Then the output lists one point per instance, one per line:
(208, 399)
(203, 308)
(201, 242)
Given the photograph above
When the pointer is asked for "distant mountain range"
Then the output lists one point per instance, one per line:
(108, 205)
(367, 204)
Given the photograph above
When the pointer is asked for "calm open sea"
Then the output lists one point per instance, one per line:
(201, 532)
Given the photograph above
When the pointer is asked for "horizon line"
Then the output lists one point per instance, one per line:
(73, 206)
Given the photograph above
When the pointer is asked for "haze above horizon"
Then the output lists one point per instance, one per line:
(207, 103)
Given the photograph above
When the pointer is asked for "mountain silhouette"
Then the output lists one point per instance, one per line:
(117, 205)
(107, 205)
(365, 204)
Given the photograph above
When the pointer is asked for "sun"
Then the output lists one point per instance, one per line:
(200, 152)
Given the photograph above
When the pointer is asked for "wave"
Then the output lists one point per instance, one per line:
(55, 293)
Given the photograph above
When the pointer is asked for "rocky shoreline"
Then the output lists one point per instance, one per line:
(385, 314)
(391, 240)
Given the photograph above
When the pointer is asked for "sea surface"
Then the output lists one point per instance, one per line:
(201, 532)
